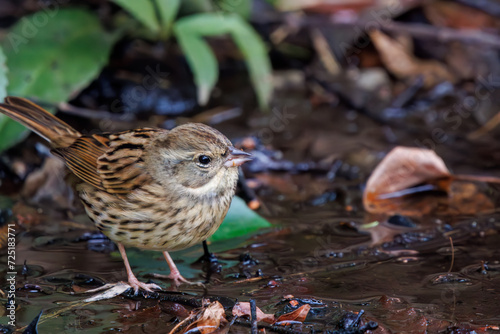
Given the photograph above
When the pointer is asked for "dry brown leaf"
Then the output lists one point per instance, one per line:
(400, 61)
(455, 15)
(299, 314)
(405, 167)
(205, 320)
(48, 183)
(243, 309)
(402, 168)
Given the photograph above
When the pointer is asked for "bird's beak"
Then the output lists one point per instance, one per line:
(236, 157)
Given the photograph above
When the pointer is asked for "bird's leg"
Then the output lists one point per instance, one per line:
(175, 274)
(210, 262)
(207, 256)
(132, 280)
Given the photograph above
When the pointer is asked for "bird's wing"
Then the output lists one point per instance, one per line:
(121, 167)
(110, 162)
(81, 158)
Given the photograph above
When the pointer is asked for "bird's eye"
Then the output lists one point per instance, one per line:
(224, 154)
(204, 160)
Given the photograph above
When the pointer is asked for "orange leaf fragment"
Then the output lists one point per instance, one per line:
(243, 309)
(299, 314)
(205, 320)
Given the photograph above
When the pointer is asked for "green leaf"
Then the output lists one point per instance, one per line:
(143, 11)
(258, 63)
(190, 32)
(241, 7)
(168, 10)
(202, 61)
(240, 220)
(54, 60)
(3, 75)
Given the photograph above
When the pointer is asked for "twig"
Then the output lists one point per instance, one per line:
(253, 314)
(452, 255)
(94, 114)
(325, 53)
(441, 34)
(487, 127)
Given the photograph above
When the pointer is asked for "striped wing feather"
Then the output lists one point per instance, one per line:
(111, 162)
(121, 168)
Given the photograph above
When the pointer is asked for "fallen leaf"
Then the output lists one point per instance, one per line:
(400, 61)
(203, 320)
(47, 184)
(402, 168)
(243, 309)
(299, 314)
(397, 183)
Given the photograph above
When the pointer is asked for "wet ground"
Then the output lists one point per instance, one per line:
(408, 274)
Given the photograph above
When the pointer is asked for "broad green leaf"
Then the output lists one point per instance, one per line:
(54, 60)
(168, 10)
(143, 11)
(240, 220)
(190, 32)
(258, 63)
(4, 120)
(241, 7)
(3, 75)
(202, 61)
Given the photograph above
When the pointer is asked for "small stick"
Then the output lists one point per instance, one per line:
(452, 255)
(487, 127)
(253, 314)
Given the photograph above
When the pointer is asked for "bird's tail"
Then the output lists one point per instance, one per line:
(34, 117)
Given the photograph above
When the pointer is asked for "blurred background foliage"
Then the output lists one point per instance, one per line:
(53, 54)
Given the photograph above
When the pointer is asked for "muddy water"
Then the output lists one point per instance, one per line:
(406, 284)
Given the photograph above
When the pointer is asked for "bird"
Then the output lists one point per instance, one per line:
(149, 188)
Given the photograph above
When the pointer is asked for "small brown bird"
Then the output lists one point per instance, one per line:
(156, 189)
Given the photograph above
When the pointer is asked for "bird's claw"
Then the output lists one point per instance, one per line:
(177, 279)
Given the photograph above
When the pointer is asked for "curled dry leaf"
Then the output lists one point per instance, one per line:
(204, 320)
(243, 309)
(400, 61)
(407, 171)
(402, 168)
(299, 314)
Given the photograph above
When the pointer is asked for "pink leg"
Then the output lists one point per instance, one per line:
(132, 280)
(175, 275)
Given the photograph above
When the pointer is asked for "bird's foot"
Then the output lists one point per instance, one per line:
(177, 279)
(135, 284)
(124, 286)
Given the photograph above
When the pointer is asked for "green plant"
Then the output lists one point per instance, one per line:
(190, 31)
(52, 54)
(50, 60)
